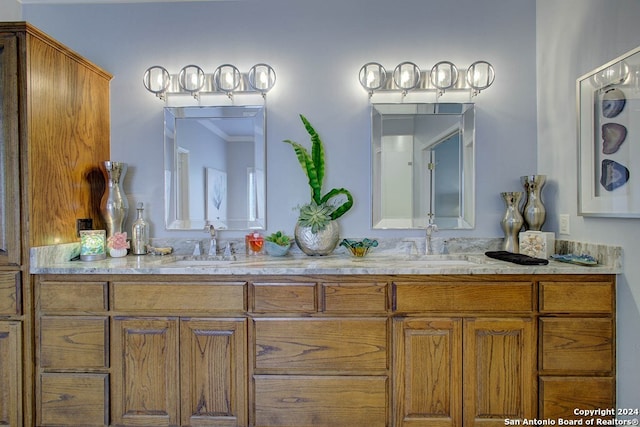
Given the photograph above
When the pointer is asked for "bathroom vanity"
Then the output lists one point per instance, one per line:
(321, 342)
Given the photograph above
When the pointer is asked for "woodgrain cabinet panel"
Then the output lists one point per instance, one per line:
(352, 298)
(170, 298)
(10, 294)
(213, 360)
(462, 297)
(322, 401)
(10, 225)
(577, 344)
(74, 399)
(427, 380)
(74, 342)
(499, 370)
(571, 297)
(72, 297)
(284, 298)
(321, 345)
(145, 372)
(10, 373)
(560, 396)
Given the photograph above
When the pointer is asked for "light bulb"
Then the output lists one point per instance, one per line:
(263, 80)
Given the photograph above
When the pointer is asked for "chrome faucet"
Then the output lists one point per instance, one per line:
(431, 228)
(213, 242)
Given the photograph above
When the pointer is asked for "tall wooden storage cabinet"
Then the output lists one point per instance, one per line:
(54, 132)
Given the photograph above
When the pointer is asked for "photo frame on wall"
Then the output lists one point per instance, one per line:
(608, 101)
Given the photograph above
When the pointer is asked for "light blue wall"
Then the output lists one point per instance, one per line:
(316, 49)
(573, 38)
(10, 10)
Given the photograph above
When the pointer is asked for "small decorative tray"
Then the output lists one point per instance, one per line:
(583, 259)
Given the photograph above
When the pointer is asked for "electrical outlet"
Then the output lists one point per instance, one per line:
(564, 224)
(83, 224)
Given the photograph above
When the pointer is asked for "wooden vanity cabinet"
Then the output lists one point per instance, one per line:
(54, 132)
(464, 352)
(320, 353)
(324, 350)
(576, 346)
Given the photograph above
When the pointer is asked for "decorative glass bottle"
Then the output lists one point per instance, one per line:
(114, 205)
(139, 233)
(534, 212)
(512, 221)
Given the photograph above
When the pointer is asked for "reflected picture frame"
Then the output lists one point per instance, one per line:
(608, 131)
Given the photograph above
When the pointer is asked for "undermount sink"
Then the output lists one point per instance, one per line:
(199, 261)
(428, 260)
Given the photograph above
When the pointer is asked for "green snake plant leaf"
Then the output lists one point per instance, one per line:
(344, 207)
(309, 168)
(317, 149)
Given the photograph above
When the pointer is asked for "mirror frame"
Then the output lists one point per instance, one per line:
(211, 176)
(466, 197)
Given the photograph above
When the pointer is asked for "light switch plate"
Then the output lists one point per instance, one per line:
(564, 224)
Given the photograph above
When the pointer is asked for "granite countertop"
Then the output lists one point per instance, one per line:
(55, 260)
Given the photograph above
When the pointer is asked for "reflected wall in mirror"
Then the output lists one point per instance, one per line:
(423, 161)
(214, 167)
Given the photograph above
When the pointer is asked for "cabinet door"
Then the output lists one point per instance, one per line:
(213, 360)
(428, 372)
(10, 378)
(9, 172)
(499, 371)
(145, 372)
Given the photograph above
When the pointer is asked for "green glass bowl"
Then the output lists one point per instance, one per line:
(359, 248)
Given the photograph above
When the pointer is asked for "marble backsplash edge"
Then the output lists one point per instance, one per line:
(604, 254)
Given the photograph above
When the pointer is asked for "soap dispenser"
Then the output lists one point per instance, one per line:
(139, 233)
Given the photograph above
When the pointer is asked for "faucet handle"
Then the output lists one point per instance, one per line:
(197, 249)
(211, 229)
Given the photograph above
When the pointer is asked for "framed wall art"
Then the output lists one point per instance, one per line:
(216, 193)
(608, 100)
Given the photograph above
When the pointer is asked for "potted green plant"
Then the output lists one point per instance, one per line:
(317, 231)
(278, 243)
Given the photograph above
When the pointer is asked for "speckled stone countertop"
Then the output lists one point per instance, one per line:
(391, 258)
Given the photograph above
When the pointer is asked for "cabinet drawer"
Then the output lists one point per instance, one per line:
(463, 297)
(10, 304)
(576, 344)
(74, 400)
(74, 342)
(354, 297)
(560, 396)
(321, 345)
(571, 297)
(284, 297)
(320, 401)
(170, 298)
(57, 297)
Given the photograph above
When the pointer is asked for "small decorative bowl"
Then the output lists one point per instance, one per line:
(359, 248)
(274, 249)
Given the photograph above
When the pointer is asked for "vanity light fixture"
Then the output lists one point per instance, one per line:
(227, 78)
(157, 80)
(262, 78)
(442, 77)
(192, 80)
(406, 76)
(480, 75)
(372, 77)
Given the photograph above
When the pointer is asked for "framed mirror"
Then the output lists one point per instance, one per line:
(214, 167)
(423, 162)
